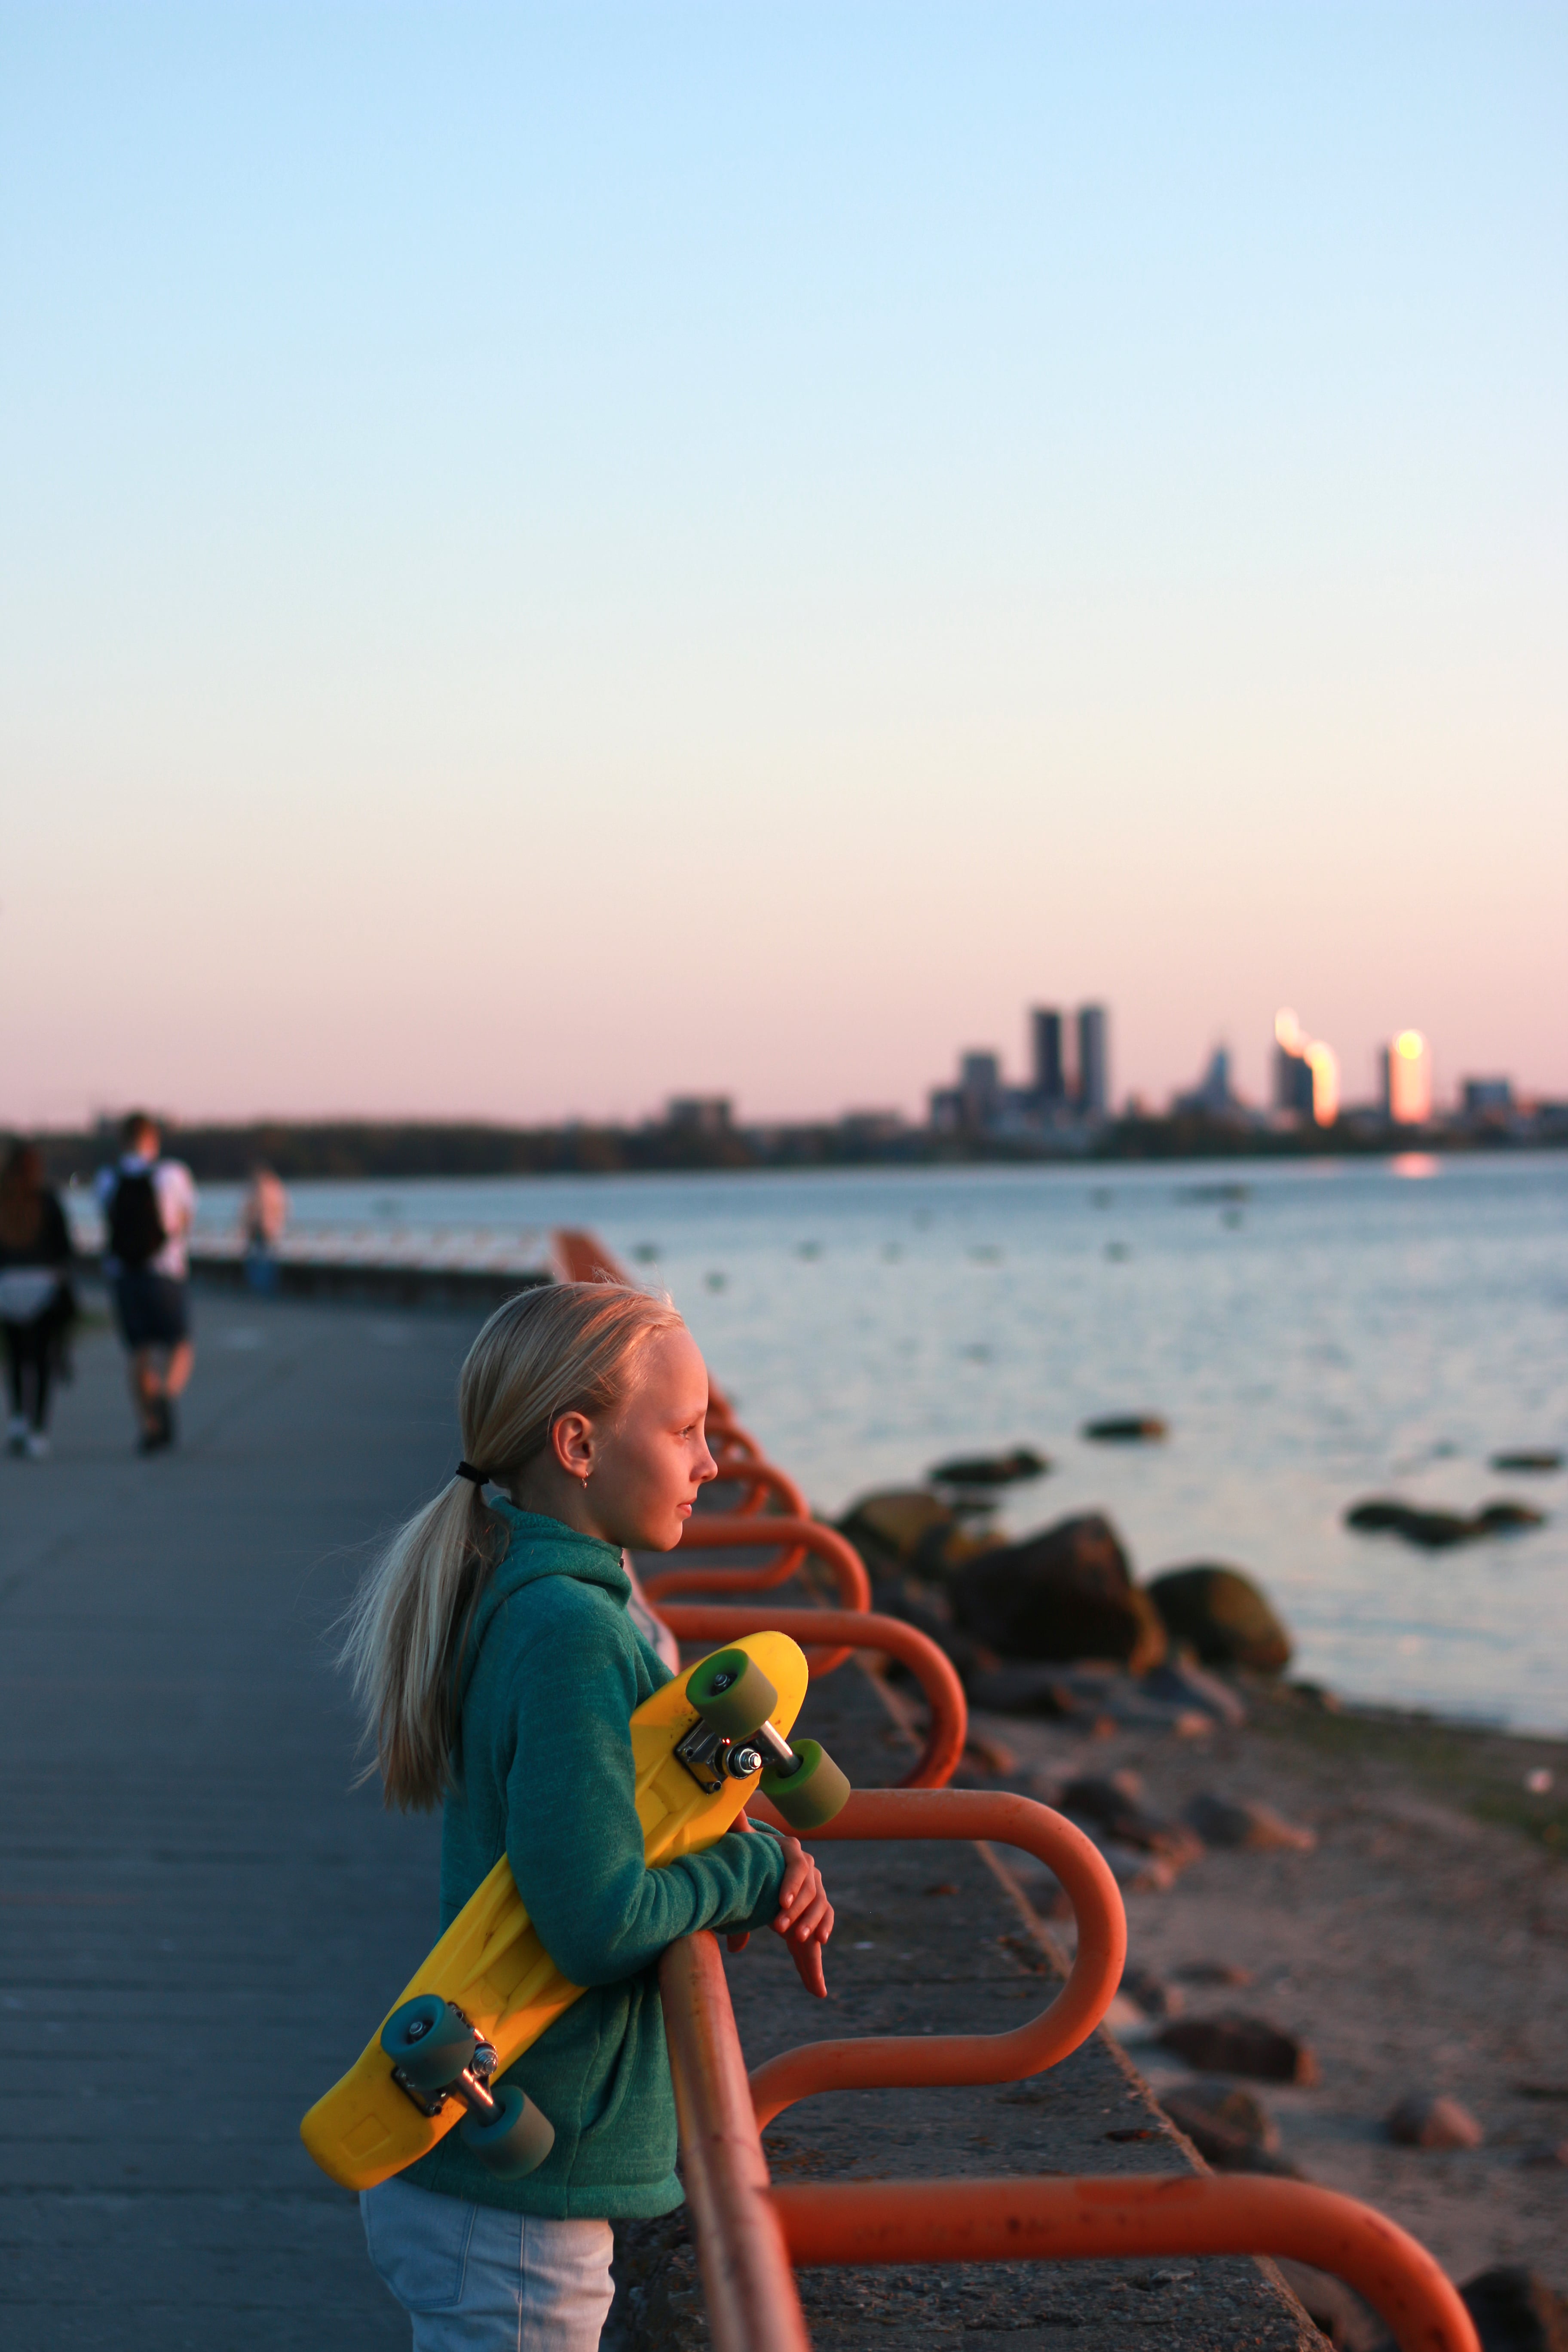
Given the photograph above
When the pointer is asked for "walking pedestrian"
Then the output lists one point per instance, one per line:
(261, 1223)
(149, 1205)
(38, 1305)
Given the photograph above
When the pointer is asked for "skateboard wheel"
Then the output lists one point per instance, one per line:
(731, 1694)
(813, 1793)
(515, 2140)
(428, 2042)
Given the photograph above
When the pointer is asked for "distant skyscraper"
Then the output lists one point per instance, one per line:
(1093, 1061)
(1050, 1078)
(1407, 1079)
(1306, 1072)
(979, 1089)
(1324, 1064)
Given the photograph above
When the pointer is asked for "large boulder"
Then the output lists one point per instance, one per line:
(1223, 1616)
(1065, 1594)
(1440, 1530)
(909, 1527)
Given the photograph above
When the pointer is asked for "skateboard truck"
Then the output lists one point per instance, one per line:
(435, 2056)
(471, 2084)
(734, 1740)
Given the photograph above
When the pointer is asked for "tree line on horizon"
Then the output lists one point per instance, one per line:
(373, 1149)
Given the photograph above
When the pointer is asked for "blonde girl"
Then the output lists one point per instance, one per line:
(498, 1660)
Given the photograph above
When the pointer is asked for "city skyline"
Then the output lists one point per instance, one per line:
(560, 558)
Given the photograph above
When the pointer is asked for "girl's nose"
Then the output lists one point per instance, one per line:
(707, 1468)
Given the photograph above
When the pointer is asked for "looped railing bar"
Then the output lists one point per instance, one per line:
(763, 1481)
(753, 2301)
(889, 2062)
(719, 1530)
(1095, 2220)
(949, 1712)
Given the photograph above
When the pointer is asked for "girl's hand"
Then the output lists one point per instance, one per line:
(804, 1915)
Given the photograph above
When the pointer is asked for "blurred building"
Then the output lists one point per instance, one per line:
(1292, 1070)
(1407, 1079)
(699, 1114)
(979, 1089)
(1306, 1073)
(1050, 1071)
(1212, 1096)
(1488, 1098)
(1093, 1093)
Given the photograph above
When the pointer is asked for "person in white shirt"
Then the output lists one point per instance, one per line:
(149, 1205)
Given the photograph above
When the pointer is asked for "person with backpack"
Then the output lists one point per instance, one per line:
(149, 1205)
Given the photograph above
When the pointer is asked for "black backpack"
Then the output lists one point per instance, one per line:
(135, 1222)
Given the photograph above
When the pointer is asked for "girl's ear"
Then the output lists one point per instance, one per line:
(571, 1442)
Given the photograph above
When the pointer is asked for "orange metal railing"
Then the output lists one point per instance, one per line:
(754, 2303)
(947, 1711)
(794, 1538)
(749, 2235)
(883, 2061)
(1091, 2220)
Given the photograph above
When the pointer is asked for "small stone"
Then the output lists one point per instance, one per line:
(1191, 1688)
(1350, 2324)
(1235, 2044)
(1429, 1531)
(1502, 1518)
(1153, 1995)
(1226, 2125)
(1221, 1820)
(1213, 1972)
(1127, 1429)
(1112, 1805)
(1423, 2120)
(991, 1469)
(1515, 2311)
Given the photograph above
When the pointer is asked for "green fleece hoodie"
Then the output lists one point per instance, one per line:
(543, 1773)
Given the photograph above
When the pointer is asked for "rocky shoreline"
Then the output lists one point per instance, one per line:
(1349, 1924)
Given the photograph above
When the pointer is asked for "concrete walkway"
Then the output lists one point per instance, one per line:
(199, 1922)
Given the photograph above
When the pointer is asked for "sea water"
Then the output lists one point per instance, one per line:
(1313, 1333)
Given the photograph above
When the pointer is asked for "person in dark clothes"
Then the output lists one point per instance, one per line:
(149, 1205)
(37, 1303)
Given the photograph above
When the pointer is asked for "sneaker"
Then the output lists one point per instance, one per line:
(166, 1419)
(37, 1445)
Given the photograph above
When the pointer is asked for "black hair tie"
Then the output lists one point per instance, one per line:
(467, 1470)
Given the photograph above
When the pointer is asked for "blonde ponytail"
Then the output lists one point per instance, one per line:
(570, 1346)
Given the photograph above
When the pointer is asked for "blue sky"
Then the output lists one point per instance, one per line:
(555, 555)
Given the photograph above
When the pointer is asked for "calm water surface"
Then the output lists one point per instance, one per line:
(1342, 1329)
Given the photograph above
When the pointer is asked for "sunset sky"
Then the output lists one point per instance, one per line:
(551, 556)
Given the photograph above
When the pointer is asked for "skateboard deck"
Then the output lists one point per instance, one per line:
(490, 1962)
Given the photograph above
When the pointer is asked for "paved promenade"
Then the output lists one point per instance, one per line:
(198, 1921)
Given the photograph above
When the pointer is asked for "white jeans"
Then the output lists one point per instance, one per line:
(474, 2278)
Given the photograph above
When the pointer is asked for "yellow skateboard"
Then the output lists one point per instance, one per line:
(701, 1746)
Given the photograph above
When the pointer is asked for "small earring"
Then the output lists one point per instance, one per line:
(585, 1477)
